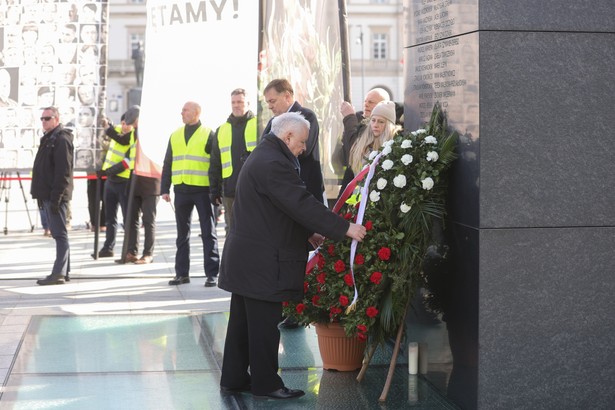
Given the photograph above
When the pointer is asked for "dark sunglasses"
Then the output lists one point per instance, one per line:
(47, 118)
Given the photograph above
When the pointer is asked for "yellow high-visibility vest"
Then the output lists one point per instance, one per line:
(117, 153)
(190, 162)
(225, 140)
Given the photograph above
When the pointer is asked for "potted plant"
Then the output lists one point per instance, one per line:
(364, 287)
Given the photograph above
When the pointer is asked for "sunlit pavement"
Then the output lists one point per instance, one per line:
(118, 336)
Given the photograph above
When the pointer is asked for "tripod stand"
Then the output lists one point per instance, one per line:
(5, 189)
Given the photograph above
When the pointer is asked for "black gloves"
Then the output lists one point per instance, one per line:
(100, 173)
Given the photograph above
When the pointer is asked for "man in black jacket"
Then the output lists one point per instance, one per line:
(280, 98)
(234, 141)
(52, 187)
(264, 258)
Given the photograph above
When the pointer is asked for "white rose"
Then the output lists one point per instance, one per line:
(427, 183)
(381, 183)
(407, 159)
(430, 139)
(432, 156)
(406, 144)
(374, 196)
(388, 143)
(414, 133)
(404, 208)
(421, 131)
(399, 181)
(388, 164)
(372, 155)
(386, 150)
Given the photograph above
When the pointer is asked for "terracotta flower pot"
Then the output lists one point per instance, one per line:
(338, 351)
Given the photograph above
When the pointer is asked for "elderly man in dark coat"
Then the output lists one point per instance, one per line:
(264, 258)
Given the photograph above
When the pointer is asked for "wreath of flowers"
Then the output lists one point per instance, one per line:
(406, 191)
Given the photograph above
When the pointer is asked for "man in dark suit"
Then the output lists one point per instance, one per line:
(280, 98)
(264, 258)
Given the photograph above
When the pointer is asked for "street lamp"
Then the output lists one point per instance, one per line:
(360, 42)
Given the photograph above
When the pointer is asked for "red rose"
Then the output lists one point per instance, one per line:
(359, 259)
(362, 328)
(376, 277)
(362, 337)
(321, 277)
(306, 286)
(285, 304)
(321, 261)
(315, 300)
(331, 250)
(339, 266)
(348, 216)
(348, 279)
(334, 310)
(369, 225)
(344, 300)
(300, 308)
(384, 253)
(371, 311)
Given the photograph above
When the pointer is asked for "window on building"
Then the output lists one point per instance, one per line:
(379, 46)
(136, 1)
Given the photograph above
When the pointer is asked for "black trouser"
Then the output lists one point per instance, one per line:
(252, 341)
(146, 206)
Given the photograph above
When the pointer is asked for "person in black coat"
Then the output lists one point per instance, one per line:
(264, 258)
(280, 98)
(52, 187)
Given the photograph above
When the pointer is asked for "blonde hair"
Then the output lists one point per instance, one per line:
(366, 143)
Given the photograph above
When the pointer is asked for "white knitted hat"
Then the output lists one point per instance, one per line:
(385, 109)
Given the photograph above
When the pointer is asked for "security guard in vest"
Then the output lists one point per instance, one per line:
(117, 167)
(186, 166)
(234, 141)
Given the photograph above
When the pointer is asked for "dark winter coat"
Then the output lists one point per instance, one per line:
(265, 253)
(311, 172)
(52, 172)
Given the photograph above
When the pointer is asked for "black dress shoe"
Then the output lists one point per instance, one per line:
(51, 280)
(283, 393)
(230, 390)
(211, 282)
(103, 253)
(179, 280)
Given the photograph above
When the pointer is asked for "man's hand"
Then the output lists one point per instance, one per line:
(100, 173)
(215, 199)
(166, 197)
(347, 109)
(356, 231)
(316, 240)
(55, 208)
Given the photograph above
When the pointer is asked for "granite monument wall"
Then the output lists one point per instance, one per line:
(531, 226)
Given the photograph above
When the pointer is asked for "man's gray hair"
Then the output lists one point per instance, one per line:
(289, 121)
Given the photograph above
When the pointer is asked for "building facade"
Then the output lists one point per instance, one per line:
(375, 37)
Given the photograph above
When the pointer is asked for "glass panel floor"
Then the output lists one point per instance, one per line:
(173, 362)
